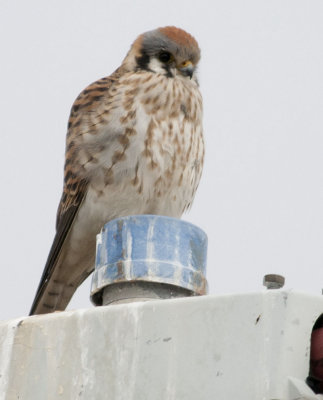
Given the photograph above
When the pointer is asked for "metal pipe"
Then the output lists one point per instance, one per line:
(147, 257)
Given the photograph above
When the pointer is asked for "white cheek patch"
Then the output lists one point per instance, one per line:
(156, 66)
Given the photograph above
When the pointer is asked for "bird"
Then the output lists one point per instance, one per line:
(134, 145)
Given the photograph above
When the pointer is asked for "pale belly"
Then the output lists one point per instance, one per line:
(96, 210)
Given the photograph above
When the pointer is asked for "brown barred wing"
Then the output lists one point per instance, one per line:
(44, 301)
(75, 187)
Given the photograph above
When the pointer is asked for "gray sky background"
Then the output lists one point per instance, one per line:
(261, 196)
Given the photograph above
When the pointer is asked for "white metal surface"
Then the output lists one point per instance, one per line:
(247, 346)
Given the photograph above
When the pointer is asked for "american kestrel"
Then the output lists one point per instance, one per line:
(134, 146)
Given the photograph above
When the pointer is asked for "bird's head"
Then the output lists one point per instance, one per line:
(169, 51)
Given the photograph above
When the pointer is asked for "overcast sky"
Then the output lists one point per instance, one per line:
(261, 196)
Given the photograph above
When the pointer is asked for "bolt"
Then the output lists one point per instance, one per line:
(273, 281)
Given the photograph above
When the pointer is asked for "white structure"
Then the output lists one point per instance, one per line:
(246, 347)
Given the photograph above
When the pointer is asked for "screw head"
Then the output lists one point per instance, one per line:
(273, 281)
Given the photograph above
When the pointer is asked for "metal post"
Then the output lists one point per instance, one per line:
(148, 257)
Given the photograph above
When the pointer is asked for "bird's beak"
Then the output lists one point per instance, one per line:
(186, 68)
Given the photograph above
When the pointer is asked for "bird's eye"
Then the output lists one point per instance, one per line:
(165, 57)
